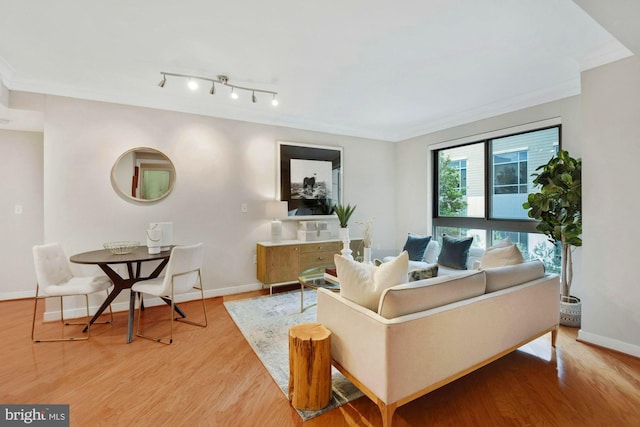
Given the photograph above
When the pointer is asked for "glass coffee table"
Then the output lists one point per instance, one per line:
(315, 278)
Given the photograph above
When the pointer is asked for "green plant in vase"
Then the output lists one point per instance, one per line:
(558, 207)
(344, 213)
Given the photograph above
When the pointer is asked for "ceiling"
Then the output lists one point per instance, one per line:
(375, 68)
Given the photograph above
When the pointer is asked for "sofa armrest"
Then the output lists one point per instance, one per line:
(358, 341)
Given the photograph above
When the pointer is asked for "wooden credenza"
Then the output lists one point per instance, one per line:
(281, 263)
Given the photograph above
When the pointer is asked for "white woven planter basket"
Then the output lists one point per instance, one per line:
(570, 311)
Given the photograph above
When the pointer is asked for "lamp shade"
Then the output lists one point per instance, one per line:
(276, 209)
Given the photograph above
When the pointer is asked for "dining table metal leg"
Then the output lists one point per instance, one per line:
(132, 309)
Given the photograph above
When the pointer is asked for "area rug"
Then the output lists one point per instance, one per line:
(265, 321)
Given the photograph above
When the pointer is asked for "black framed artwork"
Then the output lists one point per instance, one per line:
(309, 178)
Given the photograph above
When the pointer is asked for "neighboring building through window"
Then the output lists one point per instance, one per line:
(461, 167)
(482, 185)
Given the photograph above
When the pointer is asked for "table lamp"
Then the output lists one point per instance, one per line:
(276, 210)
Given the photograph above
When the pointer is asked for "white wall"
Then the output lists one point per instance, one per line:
(220, 164)
(21, 154)
(611, 149)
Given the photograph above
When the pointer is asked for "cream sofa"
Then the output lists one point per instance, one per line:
(431, 332)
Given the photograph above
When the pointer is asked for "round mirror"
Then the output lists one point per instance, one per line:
(143, 174)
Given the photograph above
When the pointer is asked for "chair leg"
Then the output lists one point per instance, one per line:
(172, 318)
(140, 332)
(33, 324)
(106, 322)
(204, 310)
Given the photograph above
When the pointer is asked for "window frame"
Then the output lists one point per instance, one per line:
(487, 222)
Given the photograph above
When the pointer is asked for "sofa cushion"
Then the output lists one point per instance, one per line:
(415, 246)
(501, 256)
(423, 273)
(430, 293)
(455, 252)
(512, 275)
(363, 283)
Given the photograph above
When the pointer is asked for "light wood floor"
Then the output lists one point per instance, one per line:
(211, 377)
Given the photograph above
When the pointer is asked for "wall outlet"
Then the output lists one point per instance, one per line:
(17, 209)
(244, 208)
(255, 259)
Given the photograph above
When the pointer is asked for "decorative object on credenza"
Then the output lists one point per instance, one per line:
(313, 230)
(344, 214)
(276, 210)
(558, 207)
(367, 239)
(309, 178)
(154, 239)
(222, 80)
(121, 248)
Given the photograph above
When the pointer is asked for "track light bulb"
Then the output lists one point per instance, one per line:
(163, 81)
(274, 101)
(233, 94)
(193, 85)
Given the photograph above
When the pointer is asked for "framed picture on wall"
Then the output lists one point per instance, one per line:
(309, 178)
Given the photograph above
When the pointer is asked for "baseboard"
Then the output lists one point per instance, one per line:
(77, 312)
(610, 343)
(6, 296)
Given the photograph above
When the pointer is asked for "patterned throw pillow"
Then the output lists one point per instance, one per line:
(423, 273)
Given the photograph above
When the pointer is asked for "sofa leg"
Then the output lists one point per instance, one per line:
(387, 413)
(554, 336)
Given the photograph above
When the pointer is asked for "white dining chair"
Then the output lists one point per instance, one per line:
(55, 279)
(183, 275)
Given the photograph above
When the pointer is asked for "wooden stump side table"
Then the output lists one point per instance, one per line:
(309, 366)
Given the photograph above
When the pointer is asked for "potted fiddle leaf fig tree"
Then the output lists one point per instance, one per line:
(558, 207)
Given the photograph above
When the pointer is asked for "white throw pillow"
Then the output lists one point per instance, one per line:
(501, 256)
(364, 283)
(501, 243)
(432, 251)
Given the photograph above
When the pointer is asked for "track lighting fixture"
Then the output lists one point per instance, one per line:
(192, 83)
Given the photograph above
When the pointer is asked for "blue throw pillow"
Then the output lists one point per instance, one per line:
(455, 252)
(415, 246)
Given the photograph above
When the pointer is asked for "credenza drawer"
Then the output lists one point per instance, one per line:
(316, 259)
(321, 247)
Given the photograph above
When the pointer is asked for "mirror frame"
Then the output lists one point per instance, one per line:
(117, 185)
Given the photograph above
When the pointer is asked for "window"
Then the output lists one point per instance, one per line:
(461, 192)
(482, 185)
(461, 167)
(510, 173)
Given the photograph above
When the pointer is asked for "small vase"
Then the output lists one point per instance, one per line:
(154, 237)
(367, 256)
(343, 233)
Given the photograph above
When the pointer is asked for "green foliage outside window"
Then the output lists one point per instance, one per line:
(451, 198)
